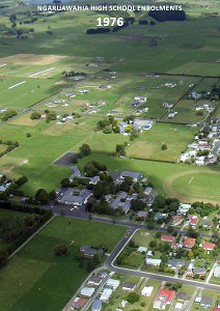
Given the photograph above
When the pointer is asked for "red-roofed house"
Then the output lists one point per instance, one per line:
(189, 242)
(216, 309)
(164, 297)
(167, 238)
(208, 246)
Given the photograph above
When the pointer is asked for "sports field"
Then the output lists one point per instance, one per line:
(35, 279)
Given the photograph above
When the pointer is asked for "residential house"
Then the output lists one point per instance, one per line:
(217, 271)
(176, 245)
(206, 302)
(87, 292)
(208, 246)
(142, 249)
(141, 215)
(199, 271)
(183, 208)
(89, 252)
(122, 127)
(94, 180)
(113, 283)
(97, 305)
(140, 99)
(128, 286)
(206, 223)
(179, 306)
(147, 291)
(136, 176)
(193, 220)
(106, 294)
(189, 242)
(79, 303)
(167, 238)
(116, 202)
(183, 296)
(176, 220)
(152, 262)
(164, 297)
(94, 281)
(176, 264)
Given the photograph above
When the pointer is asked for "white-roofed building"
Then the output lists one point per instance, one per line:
(106, 294)
(87, 291)
(113, 283)
(152, 261)
(142, 249)
(147, 291)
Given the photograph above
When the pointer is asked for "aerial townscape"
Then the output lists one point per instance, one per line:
(109, 155)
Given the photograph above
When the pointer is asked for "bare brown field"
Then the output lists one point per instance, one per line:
(31, 59)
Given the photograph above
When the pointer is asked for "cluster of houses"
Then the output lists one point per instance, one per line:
(205, 149)
(175, 264)
(97, 291)
(79, 197)
(87, 291)
(138, 124)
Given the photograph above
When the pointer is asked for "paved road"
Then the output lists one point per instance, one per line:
(82, 214)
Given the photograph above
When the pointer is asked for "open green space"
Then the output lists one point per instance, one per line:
(149, 143)
(31, 91)
(35, 279)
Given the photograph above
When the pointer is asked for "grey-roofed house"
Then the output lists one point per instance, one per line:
(128, 286)
(122, 126)
(176, 264)
(182, 296)
(94, 180)
(89, 252)
(142, 215)
(206, 302)
(199, 271)
(136, 176)
(97, 305)
(125, 206)
(74, 196)
(116, 202)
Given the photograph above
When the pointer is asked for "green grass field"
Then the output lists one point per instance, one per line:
(37, 280)
(26, 94)
(148, 145)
